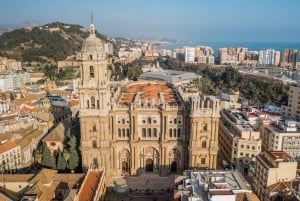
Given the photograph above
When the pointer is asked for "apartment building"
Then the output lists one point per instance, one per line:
(292, 108)
(272, 167)
(282, 136)
(239, 142)
(10, 156)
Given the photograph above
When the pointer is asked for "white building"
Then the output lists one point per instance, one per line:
(4, 107)
(266, 57)
(212, 185)
(13, 79)
(189, 55)
(282, 136)
(10, 156)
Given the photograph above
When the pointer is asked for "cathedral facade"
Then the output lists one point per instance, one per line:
(141, 126)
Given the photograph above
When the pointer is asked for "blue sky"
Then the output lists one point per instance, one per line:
(196, 20)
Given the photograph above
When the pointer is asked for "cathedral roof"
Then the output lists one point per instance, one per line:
(92, 44)
(149, 93)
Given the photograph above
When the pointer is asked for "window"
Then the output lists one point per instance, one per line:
(149, 120)
(204, 128)
(91, 71)
(123, 121)
(93, 102)
(98, 105)
(143, 132)
(154, 132)
(175, 121)
(94, 144)
(91, 57)
(175, 132)
(88, 103)
(94, 127)
(242, 146)
(127, 132)
(123, 132)
(179, 132)
(95, 162)
(149, 132)
(248, 147)
(119, 132)
(170, 132)
(203, 144)
(202, 161)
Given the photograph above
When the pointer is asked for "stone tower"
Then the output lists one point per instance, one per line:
(204, 121)
(95, 96)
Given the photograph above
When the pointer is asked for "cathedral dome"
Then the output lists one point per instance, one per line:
(92, 44)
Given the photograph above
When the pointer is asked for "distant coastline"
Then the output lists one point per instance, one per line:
(252, 46)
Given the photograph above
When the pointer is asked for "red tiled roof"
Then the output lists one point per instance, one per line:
(89, 186)
(148, 92)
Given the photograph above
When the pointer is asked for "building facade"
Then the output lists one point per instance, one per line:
(240, 142)
(142, 126)
(292, 109)
(282, 135)
(272, 167)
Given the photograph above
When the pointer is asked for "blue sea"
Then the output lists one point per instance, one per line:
(252, 46)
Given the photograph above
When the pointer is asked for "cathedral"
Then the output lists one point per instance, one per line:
(142, 126)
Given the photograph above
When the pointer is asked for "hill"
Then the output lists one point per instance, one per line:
(44, 44)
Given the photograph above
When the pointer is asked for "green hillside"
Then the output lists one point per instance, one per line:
(47, 43)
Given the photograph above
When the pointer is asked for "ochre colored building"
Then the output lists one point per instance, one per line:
(141, 126)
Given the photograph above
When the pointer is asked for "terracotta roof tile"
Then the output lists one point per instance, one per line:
(89, 186)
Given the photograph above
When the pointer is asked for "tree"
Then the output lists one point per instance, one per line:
(38, 156)
(47, 158)
(66, 155)
(61, 162)
(73, 160)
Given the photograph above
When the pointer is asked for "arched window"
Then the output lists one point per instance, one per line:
(143, 132)
(123, 121)
(154, 132)
(175, 132)
(149, 132)
(91, 57)
(127, 132)
(93, 102)
(123, 132)
(170, 132)
(204, 127)
(94, 127)
(175, 121)
(179, 133)
(94, 144)
(92, 71)
(203, 144)
(119, 132)
(149, 120)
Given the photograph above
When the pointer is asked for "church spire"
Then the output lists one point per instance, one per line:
(92, 26)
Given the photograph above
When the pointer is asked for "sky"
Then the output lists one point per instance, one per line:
(188, 20)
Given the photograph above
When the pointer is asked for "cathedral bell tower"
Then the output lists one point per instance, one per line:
(94, 85)
(94, 89)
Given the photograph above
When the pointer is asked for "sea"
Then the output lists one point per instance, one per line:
(252, 46)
